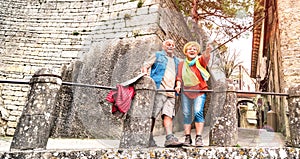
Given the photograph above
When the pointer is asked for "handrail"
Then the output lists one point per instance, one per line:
(158, 90)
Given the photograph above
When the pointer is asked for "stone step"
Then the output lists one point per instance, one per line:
(246, 138)
(252, 143)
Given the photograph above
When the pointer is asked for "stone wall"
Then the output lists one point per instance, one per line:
(288, 13)
(280, 44)
(206, 152)
(288, 46)
(272, 70)
(54, 33)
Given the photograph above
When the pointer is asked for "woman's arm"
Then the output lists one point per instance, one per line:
(204, 58)
(207, 51)
(178, 86)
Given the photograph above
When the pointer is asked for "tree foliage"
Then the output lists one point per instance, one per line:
(222, 20)
(226, 16)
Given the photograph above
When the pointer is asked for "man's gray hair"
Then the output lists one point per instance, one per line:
(168, 40)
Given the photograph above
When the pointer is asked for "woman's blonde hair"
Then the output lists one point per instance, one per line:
(191, 43)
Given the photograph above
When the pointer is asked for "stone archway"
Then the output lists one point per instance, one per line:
(247, 113)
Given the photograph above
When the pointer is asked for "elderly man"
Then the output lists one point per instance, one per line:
(162, 68)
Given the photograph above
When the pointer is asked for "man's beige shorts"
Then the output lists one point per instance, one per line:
(164, 104)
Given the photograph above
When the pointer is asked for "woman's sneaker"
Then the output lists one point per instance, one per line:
(187, 141)
(198, 141)
(172, 141)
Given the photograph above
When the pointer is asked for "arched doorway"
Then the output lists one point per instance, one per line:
(247, 113)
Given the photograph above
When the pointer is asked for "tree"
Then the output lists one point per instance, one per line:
(228, 62)
(222, 21)
(226, 16)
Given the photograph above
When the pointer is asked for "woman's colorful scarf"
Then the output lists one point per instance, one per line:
(188, 76)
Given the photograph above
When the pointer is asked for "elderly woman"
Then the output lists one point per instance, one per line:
(192, 75)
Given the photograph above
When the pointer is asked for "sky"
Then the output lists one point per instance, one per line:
(244, 46)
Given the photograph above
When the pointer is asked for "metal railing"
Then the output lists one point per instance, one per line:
(158, 90)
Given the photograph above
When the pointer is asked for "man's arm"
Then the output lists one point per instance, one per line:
(144, 69)
(147, 64)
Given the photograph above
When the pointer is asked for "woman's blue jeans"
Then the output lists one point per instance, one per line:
(197, 104)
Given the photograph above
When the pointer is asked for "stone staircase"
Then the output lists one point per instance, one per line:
(252, 143)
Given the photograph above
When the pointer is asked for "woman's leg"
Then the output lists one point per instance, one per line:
(187, 114)
(199, 128)
(199, 113)
(187, 119)
(199, 118)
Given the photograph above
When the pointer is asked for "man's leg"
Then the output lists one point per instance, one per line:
(156, 109)
(168, 124)
(168, 112)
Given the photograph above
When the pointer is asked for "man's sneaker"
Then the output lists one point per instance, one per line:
(172, 141)
(152, 141)
(187, 141)
(198, 141)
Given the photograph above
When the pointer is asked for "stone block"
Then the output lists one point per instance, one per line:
(10, 131)
(32, 133)
(294, 115)
(37, 119)
(136, 132)
(12, 118)
(142, 11)
(154, 8)
(12, 124)
(11, 107)
(137, 125)
(15, 113)
(224, 126)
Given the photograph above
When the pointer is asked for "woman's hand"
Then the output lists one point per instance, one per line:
(177, 89)
(178, 86)
(207, 51)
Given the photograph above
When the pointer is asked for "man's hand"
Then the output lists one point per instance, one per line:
(145, 70)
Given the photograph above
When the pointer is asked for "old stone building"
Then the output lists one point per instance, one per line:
(275, 54)
(108, 39)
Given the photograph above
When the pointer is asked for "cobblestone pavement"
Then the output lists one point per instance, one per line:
(246, 138)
